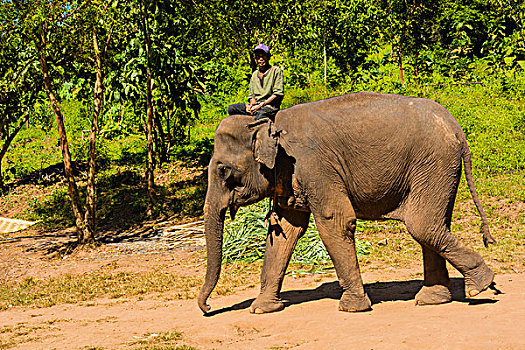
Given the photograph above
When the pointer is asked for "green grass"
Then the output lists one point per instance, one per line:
(22, 333)
(32, 150)
(494, 125)
(77, 288)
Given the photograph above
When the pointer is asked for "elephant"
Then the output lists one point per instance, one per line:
(363, 156)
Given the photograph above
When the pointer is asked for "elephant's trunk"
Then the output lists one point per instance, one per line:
(213, 226)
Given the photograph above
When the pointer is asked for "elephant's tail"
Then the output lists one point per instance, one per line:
(487, 237)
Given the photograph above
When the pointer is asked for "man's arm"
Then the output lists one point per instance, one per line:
(264, 103)
(278, 85)
(251, 97)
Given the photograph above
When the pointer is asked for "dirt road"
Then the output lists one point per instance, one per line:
(310, 320)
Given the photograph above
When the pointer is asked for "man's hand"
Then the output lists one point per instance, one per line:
(252, 108)
(256, 107)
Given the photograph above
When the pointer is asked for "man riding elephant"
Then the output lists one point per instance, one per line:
(266, 88)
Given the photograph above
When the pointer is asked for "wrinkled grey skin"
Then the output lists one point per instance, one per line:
(364, 155)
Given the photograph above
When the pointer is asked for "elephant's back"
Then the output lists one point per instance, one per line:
(371, 118)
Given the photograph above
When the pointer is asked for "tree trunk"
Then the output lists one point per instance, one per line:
(169, 140)
(91, 193)
(149, 116)
(324, 57)
(9, 137)
(66, 155)
(160, 139)
(400, 65)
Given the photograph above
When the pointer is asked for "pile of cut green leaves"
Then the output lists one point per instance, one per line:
(245, 239)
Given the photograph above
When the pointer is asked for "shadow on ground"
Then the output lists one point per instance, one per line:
(378, 292)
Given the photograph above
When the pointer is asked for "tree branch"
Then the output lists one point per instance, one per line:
(11, 136)
(106, 44)
(16, 79)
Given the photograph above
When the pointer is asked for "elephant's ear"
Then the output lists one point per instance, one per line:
(265, 141)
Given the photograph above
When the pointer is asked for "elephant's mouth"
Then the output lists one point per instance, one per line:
(242, 196)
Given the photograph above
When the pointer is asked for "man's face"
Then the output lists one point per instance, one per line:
(261, 58)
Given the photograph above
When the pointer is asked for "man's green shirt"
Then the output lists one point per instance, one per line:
(272, 83)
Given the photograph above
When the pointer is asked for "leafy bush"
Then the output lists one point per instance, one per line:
(196, 153)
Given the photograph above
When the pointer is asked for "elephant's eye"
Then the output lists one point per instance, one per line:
(224, 171)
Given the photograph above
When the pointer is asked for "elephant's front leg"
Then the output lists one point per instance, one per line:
(336, 222)
(280, 244)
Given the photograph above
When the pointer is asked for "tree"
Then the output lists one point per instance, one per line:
(136, 77)
(342, 31)
(409, 28)
(45, 29)
(177, 81)
(158, 77)
(101, 19)
(19, 82)
(150, 177)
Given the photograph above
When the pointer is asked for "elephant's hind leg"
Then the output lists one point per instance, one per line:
(436, 280)
(336, 224)
(280, 244)
(432, 232)
(478, 276)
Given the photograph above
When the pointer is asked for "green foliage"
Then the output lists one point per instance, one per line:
(20, 84)
(77, 117)
(54, 211)
(196, 153)
(118, 121)
(245, 239)
(130, 150)
(33, 150)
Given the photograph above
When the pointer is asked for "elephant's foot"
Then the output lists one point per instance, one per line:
(352, 303)
(477, 280)
(433, 295)
(263, 305)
